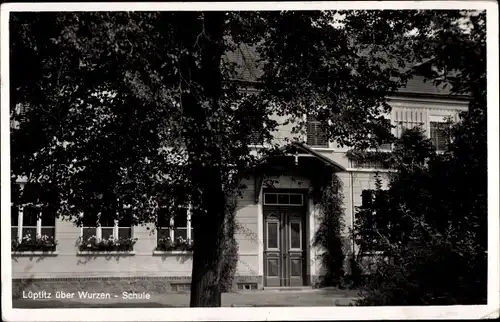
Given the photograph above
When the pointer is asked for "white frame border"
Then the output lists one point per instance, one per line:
(264, 313)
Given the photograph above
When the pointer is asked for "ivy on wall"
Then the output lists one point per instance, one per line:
(230, 248)
(329, 235)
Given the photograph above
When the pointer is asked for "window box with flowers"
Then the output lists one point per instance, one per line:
(175, 234)
(39, 245)
(120, 240)
(110, 244)
(32, 231)
(177, 246)
(113, 245)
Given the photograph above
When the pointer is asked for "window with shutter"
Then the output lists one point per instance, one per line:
(438, 135)
(316, 136)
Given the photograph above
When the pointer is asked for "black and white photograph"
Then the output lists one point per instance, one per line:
(272, 161)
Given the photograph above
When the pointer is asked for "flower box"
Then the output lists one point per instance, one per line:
(179, 244)
(94, 244)
(38, 244)
(105, 253)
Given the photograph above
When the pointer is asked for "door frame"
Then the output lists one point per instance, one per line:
(305, 224)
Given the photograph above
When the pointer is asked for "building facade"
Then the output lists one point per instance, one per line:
(276, 222)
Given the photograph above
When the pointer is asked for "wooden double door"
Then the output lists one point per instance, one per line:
(284, 246)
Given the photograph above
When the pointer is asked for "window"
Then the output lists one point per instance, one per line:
(176, 225)
(295, 235)
(125, 224)
(366, 198)
(407, 118)
(386, 143)
(316, 135)
(291, 199)
(385, 146)
(164, 223)
(256, 138)
(180, 225)
(272, 235)
(48, 223)
(438, 135)
(89, 227)
(106, 226)
(31, 222)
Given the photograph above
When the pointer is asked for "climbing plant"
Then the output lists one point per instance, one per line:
(230, 249)
(329, 235)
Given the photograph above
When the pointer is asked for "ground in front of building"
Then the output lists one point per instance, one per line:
(266, 298)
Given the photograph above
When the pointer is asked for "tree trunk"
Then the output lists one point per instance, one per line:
(205, 160)
(208, 244)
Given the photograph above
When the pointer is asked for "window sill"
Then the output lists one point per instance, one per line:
(104, 253)
(172, 253)
(34, 253)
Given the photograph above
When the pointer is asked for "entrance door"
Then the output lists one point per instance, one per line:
(284, 246)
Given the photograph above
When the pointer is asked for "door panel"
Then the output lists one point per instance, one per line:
(272, 245)
(284, 240)
(295, 256)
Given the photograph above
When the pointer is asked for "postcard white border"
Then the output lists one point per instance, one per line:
(268, 313)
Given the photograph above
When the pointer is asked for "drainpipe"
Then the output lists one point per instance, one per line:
(352, 212)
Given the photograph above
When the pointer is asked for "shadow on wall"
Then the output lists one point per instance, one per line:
(32, 257)
(92, 255)
(107, 256)
(251, 235)
(181, 258)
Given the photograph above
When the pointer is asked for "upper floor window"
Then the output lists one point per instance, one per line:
(408, 118)
(386, 143)
(438, 135)
(316, 135)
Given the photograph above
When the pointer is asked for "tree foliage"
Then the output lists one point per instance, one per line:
(144, 108)
(432, 221)
(330, 236)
